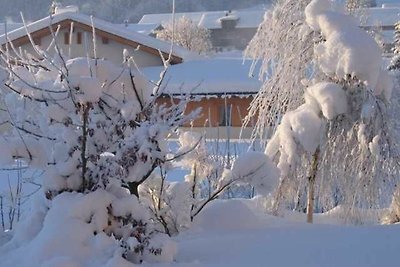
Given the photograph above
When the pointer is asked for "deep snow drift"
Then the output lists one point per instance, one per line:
(237, 233)
(230, 233)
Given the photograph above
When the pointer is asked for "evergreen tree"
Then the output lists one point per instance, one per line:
(395, 62)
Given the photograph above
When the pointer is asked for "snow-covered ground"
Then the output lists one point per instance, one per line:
(236, 233)
(230, 234)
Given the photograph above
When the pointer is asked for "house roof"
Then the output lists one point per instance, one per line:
(387, 37)
(144, 28)
(382, 16)
(211, 19)
(103, 28)
(9, 27)
(208, 78)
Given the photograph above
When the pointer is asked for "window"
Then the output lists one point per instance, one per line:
(105, 40)
(79, 38)
(66, 38)
(225, 115)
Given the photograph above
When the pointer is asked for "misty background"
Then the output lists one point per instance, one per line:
(117, 10)
(122, 10)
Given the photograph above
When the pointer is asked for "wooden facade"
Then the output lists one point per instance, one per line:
(217, 111)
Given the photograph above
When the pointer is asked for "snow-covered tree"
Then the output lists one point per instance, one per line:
(176, 204)
(353, 5)
(283, 44)
(96, 132)
(339, 146)
(393, 213)
(185, 33)
(395, 62)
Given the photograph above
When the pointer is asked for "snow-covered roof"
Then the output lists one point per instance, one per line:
(100, 25)
(208, 77)
(145, 28)
(378, 16)
(9, 27)
(387, 37)
(211, 19)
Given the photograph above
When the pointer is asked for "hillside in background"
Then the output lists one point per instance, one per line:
(119, 10)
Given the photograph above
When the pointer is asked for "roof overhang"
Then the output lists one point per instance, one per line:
(66, 23)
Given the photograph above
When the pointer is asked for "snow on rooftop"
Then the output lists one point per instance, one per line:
(387, 37)
(9, 27)
(378, 16)
(211, 19)
(145, 28)
(211, 77)
(386, 5)
(63, 9)
(100, 25)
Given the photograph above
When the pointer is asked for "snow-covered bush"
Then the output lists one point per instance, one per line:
(176, 204)
(393, 213)
(343, 132)
(257, 169)
(95, 131)
(169, 202)
(395, 62)
(353, 5)
(187, 34)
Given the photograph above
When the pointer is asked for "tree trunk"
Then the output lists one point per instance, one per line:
(85, 118)
(311, 186)
(193, 192)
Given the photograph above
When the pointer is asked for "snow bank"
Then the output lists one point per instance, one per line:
(71, 230)
(70, 235)
(228, 234)
(226, 215)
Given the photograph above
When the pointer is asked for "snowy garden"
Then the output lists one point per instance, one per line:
(103, 175)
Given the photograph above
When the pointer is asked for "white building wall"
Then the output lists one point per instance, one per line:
(112, 50)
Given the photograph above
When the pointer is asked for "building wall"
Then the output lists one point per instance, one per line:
(236, 37)
(112, 50)
(212, 110)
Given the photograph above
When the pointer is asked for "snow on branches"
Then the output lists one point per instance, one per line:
(96, 132)
(344, 130)
(185, 33)
(283, 47)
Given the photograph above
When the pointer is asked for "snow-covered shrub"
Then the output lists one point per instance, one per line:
(353, 5)
(393, 213)
(169, 202)
(176, 204)
(95, 131)
(395, 62)
(257, 169)
(187, 34)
